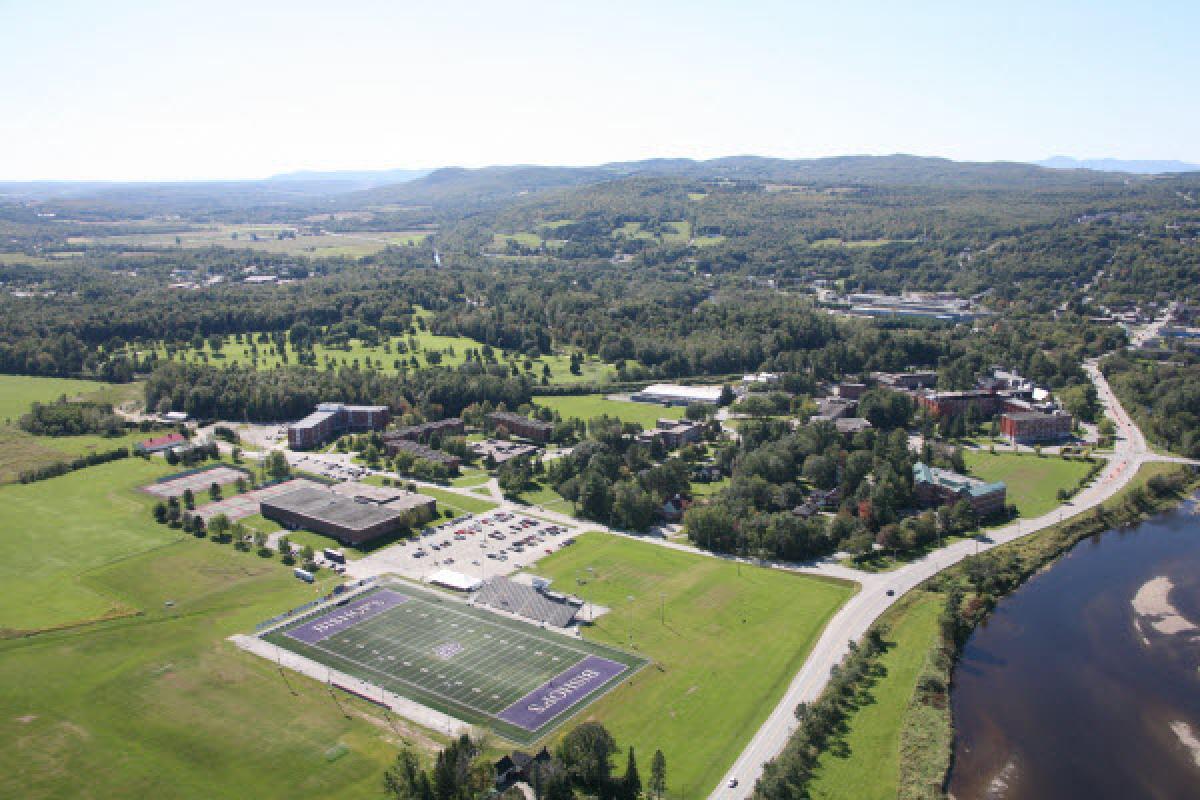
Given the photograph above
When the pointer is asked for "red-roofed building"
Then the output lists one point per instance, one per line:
(160, 443)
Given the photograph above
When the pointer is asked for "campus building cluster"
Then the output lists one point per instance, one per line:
(936, 487)
(333, 419)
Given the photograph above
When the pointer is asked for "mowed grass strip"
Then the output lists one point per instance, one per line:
(724, 643)
(1033, 482)
(588, 406)
(864, 761)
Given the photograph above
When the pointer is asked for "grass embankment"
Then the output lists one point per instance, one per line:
(725, 644)
(1033, 481)
(588, 406)
(897, 740)
(158, 704)
(863, 762)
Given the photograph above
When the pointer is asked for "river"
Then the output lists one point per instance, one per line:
(1085, 682)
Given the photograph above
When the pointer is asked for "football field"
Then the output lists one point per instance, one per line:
(475, 665)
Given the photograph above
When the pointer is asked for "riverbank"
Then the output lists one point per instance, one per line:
(894, 724)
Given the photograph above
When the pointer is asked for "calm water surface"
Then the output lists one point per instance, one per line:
(1085, 683)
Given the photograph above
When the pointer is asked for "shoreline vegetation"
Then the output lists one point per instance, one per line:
(965, 595)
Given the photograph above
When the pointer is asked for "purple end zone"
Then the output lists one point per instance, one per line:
(346, 616)
(561, 692)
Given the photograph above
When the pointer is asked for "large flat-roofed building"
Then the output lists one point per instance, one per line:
(951, 404)
(426, 431)
(1033, 426)
(330, 514)
(939, 487)
(418, 450)
(421, 507)
(332, 419)
(672, 394)
(517, 425)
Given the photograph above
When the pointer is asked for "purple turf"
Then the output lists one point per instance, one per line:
(346, 616)
(563, 691)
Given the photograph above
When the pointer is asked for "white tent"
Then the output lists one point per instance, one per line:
(455, 580)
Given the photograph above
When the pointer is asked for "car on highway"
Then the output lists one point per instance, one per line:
(733, 782)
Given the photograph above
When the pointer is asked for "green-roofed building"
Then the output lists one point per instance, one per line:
(939, 487)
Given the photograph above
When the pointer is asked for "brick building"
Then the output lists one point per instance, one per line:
(334, 419)
(1024, 427)
(417, 450)
(426, 431)
(517, 425)
(938, 487)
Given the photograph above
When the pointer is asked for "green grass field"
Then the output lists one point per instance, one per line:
(587, 406)
(1033, 482)
(724, 645)
(18, 392)
(159, 704)
(463, 660)
(864, 761)
(451, 352)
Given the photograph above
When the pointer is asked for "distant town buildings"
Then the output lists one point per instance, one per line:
(334, 419)
(946, 306)
(906, 380)
(938, 487)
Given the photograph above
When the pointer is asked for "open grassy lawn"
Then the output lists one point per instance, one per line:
(160, 705)
(21, 451)
(730, 644)
(864, 762)
(18, 392)
(458, 502)
(1033, 482)
(547, 498)
(587, 406)
(56, 531)
(471, 477)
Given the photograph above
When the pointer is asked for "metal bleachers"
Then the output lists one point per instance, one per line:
(525, 601)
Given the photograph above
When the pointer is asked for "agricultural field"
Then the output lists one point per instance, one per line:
(724, 644)
(264, 238)
(864, 761)
(587, 406)
(159, 704)
(1033, 482)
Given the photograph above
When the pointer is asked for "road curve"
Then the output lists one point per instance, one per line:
(853, 620)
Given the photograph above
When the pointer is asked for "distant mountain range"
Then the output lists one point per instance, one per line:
(362, 179)
(1118, 165)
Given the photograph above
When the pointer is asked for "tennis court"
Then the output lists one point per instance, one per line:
(475, 665)
(197, 481)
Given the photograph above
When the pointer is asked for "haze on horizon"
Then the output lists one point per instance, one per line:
(172, 91)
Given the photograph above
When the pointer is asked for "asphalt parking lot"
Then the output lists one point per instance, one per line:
(481, 546)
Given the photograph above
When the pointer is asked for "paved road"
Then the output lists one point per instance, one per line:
(852, 621)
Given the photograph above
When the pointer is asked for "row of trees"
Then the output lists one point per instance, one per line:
(581, 766)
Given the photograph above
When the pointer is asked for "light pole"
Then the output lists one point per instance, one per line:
(629, 629)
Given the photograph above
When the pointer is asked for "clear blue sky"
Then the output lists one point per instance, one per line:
(163, 90)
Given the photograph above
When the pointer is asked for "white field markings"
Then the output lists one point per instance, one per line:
(488, 663)
(513, 675)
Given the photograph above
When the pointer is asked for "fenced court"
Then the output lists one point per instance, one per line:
(197, 481)
(480, 667)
